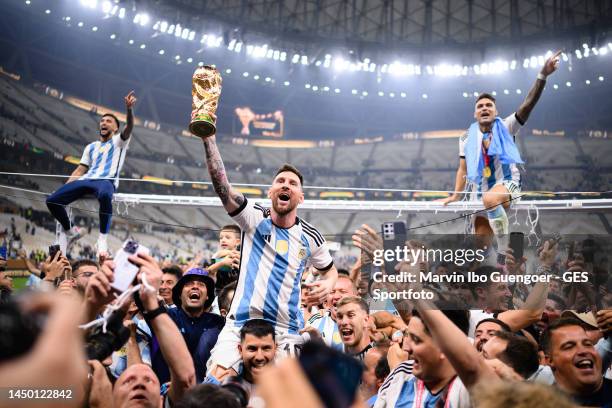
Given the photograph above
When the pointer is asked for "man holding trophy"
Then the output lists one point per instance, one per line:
(276, 248)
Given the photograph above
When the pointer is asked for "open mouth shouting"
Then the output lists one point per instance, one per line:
(347, 334)
(585, 365)
(284, 196)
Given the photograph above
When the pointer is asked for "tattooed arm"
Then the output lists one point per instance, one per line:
(535, 92)
(230, 198)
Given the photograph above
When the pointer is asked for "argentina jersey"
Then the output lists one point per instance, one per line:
(272, 262)
(105, 159)
(499, 172)
(328, 329)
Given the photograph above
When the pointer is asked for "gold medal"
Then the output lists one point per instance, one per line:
(486, 172)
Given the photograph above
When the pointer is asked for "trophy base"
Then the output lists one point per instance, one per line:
(202, 128)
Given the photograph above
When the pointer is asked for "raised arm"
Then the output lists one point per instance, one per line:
(523, 112)
(171, 342)
(130, 101)
(230, 198)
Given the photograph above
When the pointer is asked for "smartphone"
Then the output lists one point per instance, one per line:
(126, 271)
(335, 376)
(53, 249)
(394, 235)
(517, 244)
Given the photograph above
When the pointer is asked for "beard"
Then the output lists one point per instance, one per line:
(284, 210)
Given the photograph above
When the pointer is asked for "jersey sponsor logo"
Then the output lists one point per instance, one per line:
(282, 246)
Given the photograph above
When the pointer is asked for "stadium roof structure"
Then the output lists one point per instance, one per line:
(402, 24)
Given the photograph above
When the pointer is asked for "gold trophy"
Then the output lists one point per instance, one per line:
(205, 92)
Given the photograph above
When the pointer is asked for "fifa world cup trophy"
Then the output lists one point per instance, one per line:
(205, 92)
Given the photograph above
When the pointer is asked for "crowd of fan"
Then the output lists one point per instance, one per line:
(465, 348)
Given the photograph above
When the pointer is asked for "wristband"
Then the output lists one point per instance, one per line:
(541, 76)
(150, 315)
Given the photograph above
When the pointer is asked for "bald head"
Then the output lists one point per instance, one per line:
(137, 386)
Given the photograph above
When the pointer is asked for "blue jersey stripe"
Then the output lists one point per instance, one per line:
(507, 172)
(98, 159)
(259, 243)
(109, 161)
(406, 398)
(281, 262)
(295, 311)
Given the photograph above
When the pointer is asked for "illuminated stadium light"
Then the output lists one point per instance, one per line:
(304, 60)
(80, 24)
(113, 36)
(424, 96)
(283, 56)
(89, 3)
(354, 91)
(318, 63)
(143, 46)
(533, 61)
(601, 78)
(578, 54)
(494, 93)
(518, 92)
(178, 30)
(326, 88)
(190, 60)
(337, 90)
(94, 29)
(475, 93)
(185, 34)
(340, 64)
(307, 86)
(294, 60)
(200, 64)
(526, 63)
(141, 19)
(276, 55)
(107, 6)
(610, 46)
(67, 18)
(131, 42)
(555, 86)
(121, 13)
(391, 95)
(28, 2)
(595, 51)
(568, 84)
(403, 94)
(364, 93)
(163, 26)
(256, 77)
(513, 64)
(315, 88)
(381, 93)
(585, 45)
(47, 11)
(161, 52)
(286, 83)
(588, 82)
(603, 51)
(565, 57)
(429, 69)
(465, 95)
(177, 57)
(506, 92)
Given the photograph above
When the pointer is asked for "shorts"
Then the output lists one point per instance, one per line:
(225, 353)
(514, 189)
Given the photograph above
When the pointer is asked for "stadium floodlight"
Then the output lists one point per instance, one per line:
(391, 95)
(89, 3)
(121, 13)
(94, 28)
(294, 60)
(555, 86)
(526, 63)
(326, 88)
(403, 94)
(578, 54)
(185, 34)
(601, 78)
(568, 84)
(465, 95)
(565, 57)
(354, 91)
(113, 36)
(286, 83)
(533, 61)
(163, 26)
(424, 96)
(315, 88)
(588, 82)
(269, 53)
(178, 30)
(283, 56)
(245, 74)
(256, 77)
(304, 59)
(513, 65)
(337, 90)
(585, 46)
(364, 93)
(190, 60)
(506, 92)
(47, 11)
(161, 52)
(381, 93)
(603, 51)
(595, 51)
(228, 71)
(518, 92)
(107, 6)
(131, 42)
(192, 35)
(143, 46)
(340, 64)
(276, 55)
(231, 45)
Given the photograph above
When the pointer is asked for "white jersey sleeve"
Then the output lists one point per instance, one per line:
(462, 143)
(320, 257)
(119, 142)
(248, 215)
(512, 124)
(86, 158)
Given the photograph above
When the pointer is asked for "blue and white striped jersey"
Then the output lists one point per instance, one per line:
(499, 172)
(328, 329)
(105, 159)
(272, 262)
